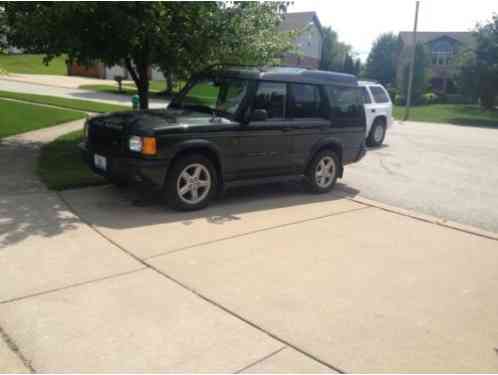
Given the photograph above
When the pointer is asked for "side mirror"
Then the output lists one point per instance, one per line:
(259, 115)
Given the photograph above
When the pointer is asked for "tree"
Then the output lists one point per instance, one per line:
(244, 33)
(478, 75)
(357, 67)
(185, 36)
(333, 51)
(382, 59)
(348, 64)
(420, 74)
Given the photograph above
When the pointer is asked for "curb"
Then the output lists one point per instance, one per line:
(427, 218)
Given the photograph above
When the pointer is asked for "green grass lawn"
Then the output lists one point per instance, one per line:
(60, 165)
(32, 64)
(458, 114)
(18, 117)
(81, 105)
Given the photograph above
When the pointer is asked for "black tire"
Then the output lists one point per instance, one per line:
(371, 141)
(171, 188)
(313, 180)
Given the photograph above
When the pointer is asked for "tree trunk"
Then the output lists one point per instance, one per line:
(141, 79)
(169, 83)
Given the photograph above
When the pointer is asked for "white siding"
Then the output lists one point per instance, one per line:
(115, 70)
(157, 75)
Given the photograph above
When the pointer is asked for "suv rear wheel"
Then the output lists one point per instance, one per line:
(377, 133)
(323, 171)
(191, 183)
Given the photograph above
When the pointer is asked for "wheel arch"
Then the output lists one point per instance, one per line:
(328, 144)
(202, 147)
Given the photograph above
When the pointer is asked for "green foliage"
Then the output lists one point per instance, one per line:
(183, 37)
(421, 76)
(382, 60)
(357, 67)
(348, 64)
(333, 51)
(60, 165)
(16, 117)
(430, 98)
(479, 69)
(81, 105)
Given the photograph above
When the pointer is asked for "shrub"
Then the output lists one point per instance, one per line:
(429, 98)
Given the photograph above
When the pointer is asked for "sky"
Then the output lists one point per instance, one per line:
(359, 23)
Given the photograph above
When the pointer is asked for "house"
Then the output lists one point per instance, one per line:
(442, 47)
(309, 41)
(101, 71)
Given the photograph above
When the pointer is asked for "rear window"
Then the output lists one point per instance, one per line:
(346, 103)
(307, 101)
(379, 94)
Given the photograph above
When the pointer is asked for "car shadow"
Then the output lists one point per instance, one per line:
(115, 208)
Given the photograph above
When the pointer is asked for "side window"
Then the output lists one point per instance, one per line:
(379, 94)
(308, 101)
(365, 95)
(271, 97)
(345, 102)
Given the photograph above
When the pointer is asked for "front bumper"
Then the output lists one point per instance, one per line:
(128, 169)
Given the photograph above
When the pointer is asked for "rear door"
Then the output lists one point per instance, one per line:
(309, 120)
(348, 119)
(370, 107)
(383, 105)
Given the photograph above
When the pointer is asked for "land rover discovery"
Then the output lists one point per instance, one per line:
(233, 127)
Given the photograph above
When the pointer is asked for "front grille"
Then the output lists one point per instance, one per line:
(106, 138)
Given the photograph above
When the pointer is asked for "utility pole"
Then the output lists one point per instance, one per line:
(412, 65)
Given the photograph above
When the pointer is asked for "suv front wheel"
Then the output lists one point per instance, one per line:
(323, 171)
(191, 183)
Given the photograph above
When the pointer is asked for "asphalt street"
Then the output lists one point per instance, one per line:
(447, 171)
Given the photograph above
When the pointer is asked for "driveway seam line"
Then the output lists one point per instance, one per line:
(16, 299)
(203, 297)
(429, 219)
(169, 252)
(260, 360)
(15, 349)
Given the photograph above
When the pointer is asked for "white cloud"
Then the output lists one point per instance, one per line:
(360, 22)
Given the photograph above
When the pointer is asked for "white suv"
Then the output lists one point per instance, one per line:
(378, 111)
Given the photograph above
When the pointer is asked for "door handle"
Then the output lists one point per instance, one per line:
(373, 110)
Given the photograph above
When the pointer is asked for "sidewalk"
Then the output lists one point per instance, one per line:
(268, 279)
(63, 86)
(68, 82)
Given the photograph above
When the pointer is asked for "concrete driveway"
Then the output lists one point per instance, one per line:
(268, 279)
(447, 171)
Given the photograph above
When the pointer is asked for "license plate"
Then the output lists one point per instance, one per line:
(100, 162)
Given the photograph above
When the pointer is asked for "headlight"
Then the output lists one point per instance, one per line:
(135, 144)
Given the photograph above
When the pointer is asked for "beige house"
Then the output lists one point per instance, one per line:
(443, 47)
(308, 43)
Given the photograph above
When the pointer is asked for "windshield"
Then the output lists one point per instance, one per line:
(214, 95)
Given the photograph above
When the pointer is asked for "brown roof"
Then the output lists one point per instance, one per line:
(464, 37)
(299, 21)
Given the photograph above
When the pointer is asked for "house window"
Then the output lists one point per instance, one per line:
(442, 51)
